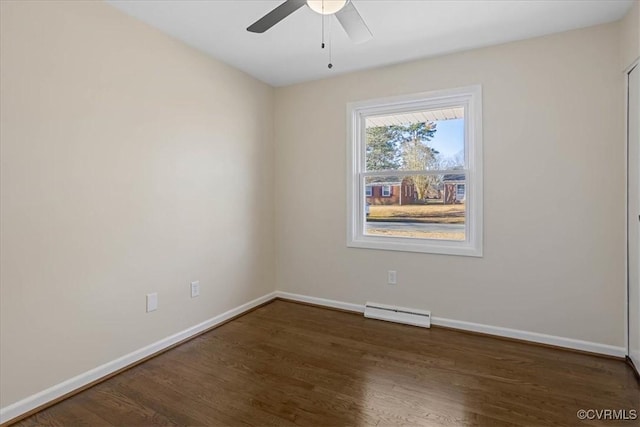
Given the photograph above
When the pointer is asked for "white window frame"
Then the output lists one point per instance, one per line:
(386, 193)
(470, 98)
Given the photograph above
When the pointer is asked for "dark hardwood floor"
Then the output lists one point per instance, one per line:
(291, 364)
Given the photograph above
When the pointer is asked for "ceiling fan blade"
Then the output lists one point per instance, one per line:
(276, 15)
(353, 24)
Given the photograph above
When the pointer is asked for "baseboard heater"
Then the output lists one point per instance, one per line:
(408, 316)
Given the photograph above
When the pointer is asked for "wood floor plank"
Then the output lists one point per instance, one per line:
(288, 364)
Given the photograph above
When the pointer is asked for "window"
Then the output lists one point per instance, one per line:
(460, 192)
(369, 191)
(428, 146)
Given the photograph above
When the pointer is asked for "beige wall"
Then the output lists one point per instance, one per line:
(630, 36)
(553, 190)
(130, 164)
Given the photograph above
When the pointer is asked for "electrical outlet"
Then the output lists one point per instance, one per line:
(152, 302)
(392, 278)
(195, 289)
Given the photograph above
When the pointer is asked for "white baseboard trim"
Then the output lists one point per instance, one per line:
(592, 347)
(358, 308)
(52, 393)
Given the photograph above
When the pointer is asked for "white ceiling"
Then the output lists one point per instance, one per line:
(403, 30)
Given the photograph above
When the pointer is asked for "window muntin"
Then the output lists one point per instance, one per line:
(427, 195)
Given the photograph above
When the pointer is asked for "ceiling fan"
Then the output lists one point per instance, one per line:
(344, 10)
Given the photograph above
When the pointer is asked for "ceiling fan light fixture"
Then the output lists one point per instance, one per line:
(326, 7)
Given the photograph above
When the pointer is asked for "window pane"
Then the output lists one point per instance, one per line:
(418, 140)
(418, 206)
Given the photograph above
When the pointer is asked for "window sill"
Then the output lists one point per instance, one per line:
(444, 247)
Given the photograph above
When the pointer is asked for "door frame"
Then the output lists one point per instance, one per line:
(627, 71)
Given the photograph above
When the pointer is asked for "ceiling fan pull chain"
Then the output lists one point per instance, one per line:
(330, 27)
(322, 17)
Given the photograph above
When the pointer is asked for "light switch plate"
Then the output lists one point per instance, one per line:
(392, 277)
(152, 302)
(195, 289)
